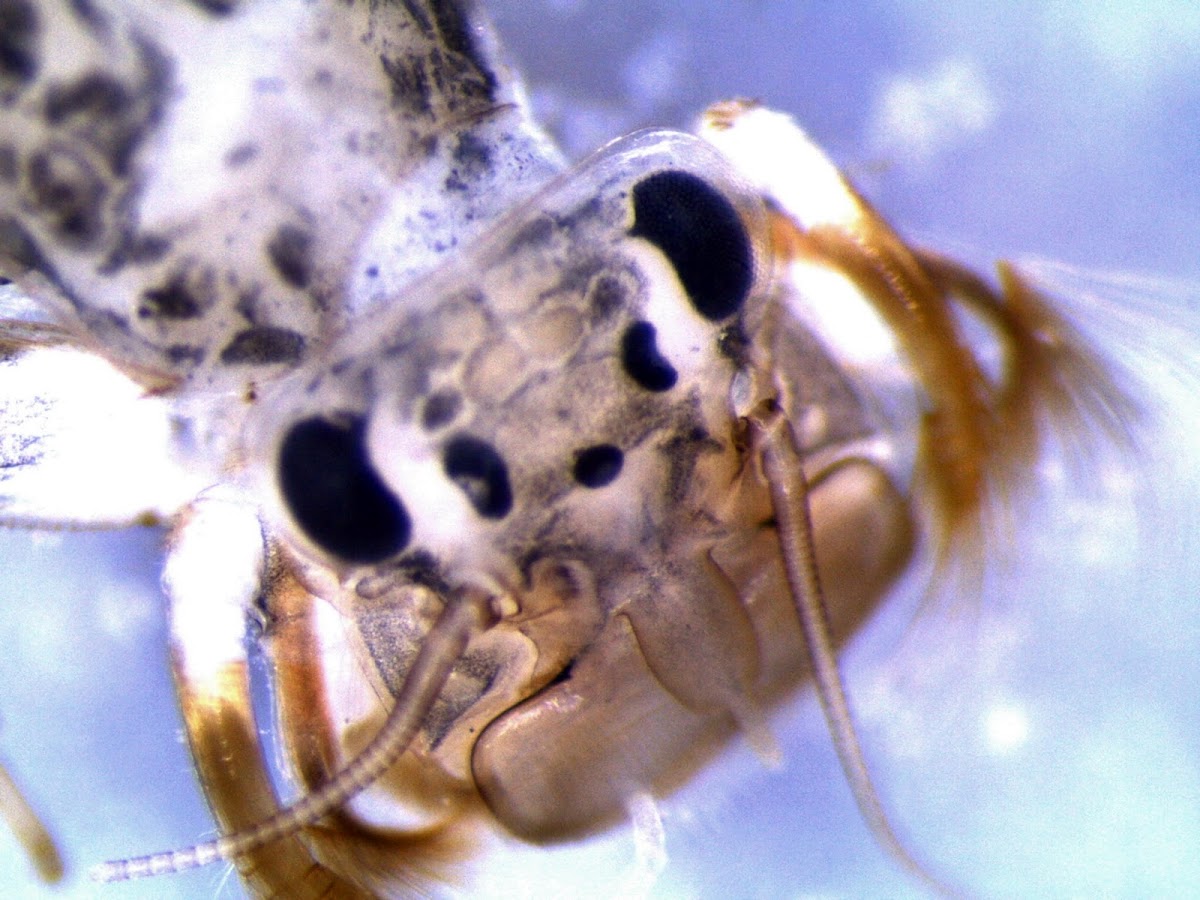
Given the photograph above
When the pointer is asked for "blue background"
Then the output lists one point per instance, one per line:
(1065, 130)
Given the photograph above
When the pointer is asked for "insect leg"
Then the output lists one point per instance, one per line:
(784, 471)
(224, 740)
(465, 615)
(212, 681)
(25, 825)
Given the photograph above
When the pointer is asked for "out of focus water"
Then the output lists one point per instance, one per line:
(1043, 742)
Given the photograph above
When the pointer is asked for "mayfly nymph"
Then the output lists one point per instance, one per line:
(542, 483)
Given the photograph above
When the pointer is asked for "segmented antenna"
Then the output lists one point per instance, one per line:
(784, 470)
(464, 615)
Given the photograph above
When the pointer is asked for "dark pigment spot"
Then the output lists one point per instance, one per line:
(734, 344)
(143, 249)
(598, 466)
(440, 409)
(700, 232)
(455, 32)
(184, 354)
(8, 163)
(642, 360)
(680, 453)
(240, 155)
(185, 296)
(410, 85)
(290, 253)
(474, 161)
(448, 70)
(87, 13)
(264, 345)
(606, 297)
(216, 8)
(480, 472)
(335, 495)
(472, 152)
(19, 29)
(94, 96)
(69, 194)
(19, 246)
(106, 115)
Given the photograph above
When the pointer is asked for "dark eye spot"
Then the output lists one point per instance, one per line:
(700, 232)
(335, 494)
(598, 466)
(480, 472)
(642, 361)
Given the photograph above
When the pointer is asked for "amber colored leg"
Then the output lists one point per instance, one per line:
(224, 740)
(28, 829)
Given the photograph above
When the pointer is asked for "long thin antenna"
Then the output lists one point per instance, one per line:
(784, 470)
(465, 615)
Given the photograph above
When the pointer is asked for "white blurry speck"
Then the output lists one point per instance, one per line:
(62, 638)
(653, 72)
(126, 612)
(649, 846)
(1099, 524)
(1006, 728)
(919, 117)
(580, 125)
(46, 539)
(651, 75)
(1102, 538)
(1132, 43)
(52, 646)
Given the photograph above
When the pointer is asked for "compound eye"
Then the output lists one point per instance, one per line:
(699, 231)
(335, 494)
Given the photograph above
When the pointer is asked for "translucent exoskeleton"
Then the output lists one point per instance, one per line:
(383, 360)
